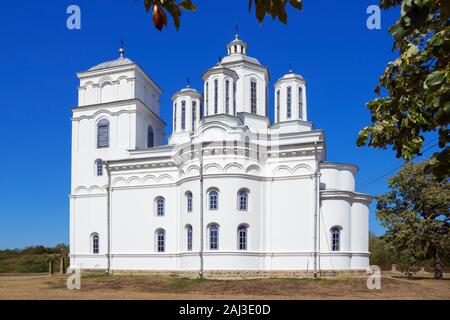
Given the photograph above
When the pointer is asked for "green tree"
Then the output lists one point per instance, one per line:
(382, 253)
(415, 212)
(416, 85)
(161, 8)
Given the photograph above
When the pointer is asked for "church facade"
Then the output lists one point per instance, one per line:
(229, 191)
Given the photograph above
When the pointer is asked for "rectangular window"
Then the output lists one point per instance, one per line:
(103, 136)
(335, 241)
(227, 97)
(253, 97)
(234, 98)
(300, 103)
(194, 114)
(160, 242)
(175, 116)
(278, 105)
(242, 239)
(189, 203)
(189, 239)
(289, 102)
(183, 115)
(214, 239)
(216, 96)
(206, 98)
(99, 168)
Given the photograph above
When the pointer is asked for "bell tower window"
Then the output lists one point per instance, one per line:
(194, 114)
(227, 96)
(183, 115)
(216, 96)
(206, 98)
(278, 105)
(300, 103)
(289, 102)
(253, 97)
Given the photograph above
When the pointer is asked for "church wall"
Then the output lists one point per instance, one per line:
(88, 216)
(335, 213)
(291, 215)
(134, 221)
(360, 234)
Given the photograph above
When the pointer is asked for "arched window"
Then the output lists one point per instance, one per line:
(189, 237)
(160, 206)
(194, 114)
(189, 201)
(95, 243)
(213, 200)
(242, 237)
(216, 96)
(183, 115)
(206, 97)
(289, 102)
(300, 103)
(335, 238)
(247, 147)
(243, 200)
(278, 105)
(160, 240)
(227, 96)
(99, 168)
(253, 96)
(213, 237)
(150, 142)
(103, 134)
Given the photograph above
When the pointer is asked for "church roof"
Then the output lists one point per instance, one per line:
(112, 63)
(237, 57)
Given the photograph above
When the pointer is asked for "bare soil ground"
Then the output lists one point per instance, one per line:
(95, 286)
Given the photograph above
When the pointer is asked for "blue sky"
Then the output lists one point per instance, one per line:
(328, 43)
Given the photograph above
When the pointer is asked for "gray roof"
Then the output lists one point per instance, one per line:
(112, 63)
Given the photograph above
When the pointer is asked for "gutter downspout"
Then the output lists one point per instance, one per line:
(200, 154)
(108, 219)
(316, 207)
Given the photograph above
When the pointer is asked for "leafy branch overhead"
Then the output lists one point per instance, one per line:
(161, 8)
(417, 85)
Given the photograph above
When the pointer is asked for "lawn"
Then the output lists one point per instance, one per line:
(99, 286)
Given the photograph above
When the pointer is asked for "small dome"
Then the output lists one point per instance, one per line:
(237, 46)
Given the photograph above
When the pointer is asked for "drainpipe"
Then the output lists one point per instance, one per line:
(108, 219)
(200, 154)
(316, 207)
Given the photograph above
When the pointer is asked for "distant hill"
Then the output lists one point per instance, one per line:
(32, 259)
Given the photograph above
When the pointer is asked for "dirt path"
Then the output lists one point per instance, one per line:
(153, 287)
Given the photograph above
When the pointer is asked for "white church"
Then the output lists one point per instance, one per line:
(230, 191)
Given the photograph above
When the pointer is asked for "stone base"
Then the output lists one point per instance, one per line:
(240, 274)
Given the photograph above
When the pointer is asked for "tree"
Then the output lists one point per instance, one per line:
(416, 214)
(381, 252)
(274, 8)
(417, 85)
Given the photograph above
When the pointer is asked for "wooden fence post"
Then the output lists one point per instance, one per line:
(62, 265)
(50, 267)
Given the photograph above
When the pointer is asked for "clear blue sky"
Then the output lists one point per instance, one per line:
(328, 44)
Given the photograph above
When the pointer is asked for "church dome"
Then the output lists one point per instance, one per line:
(237, 46)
